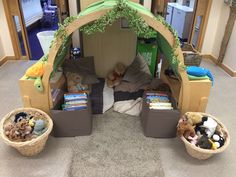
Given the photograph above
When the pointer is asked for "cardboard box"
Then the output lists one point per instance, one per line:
(159, 123)
(72, 123)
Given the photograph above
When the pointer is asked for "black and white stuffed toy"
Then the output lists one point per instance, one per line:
(218, 140)
(206, 127)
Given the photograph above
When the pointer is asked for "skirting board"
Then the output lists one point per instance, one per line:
(222, 65)
(5, 59)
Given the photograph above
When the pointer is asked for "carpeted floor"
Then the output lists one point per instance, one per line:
(117, 147)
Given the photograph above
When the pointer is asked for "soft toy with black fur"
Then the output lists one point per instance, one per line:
(207, 126)
(204, 143)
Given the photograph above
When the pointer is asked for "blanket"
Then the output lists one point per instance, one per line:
(131, 107)
(102, 97)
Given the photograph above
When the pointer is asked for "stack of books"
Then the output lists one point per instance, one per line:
(75, 101)
(159, 101)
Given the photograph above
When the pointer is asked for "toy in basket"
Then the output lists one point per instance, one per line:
(202, 134)
(26, 129)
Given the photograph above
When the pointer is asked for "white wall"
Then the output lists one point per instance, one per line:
(7, 49)
(215, 31)
(147, 4)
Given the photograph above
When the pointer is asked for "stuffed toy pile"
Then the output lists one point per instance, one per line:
(201, 131)
(25, 126)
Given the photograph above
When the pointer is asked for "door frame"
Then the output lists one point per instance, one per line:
(13, 8)
(203, 10)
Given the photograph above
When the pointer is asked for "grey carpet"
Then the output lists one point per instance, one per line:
(116, 148)
(54, 161)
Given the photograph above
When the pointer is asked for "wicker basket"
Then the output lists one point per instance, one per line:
(34, 146)
(203, 154)
(191, 56)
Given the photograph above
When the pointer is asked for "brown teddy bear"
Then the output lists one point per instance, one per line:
(74, 82)
(185, 129)
(114, 78)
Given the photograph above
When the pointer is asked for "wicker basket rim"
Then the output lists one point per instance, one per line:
(226, 144)
(31, 142)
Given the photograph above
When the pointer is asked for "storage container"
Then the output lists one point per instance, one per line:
(159, 123)
(71, 123)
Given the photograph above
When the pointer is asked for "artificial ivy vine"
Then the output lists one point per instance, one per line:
(121, 9)
(136, 22)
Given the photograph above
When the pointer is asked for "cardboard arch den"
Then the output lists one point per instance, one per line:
(191, 95)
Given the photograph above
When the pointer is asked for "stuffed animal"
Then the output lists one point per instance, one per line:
(39, 127)
(114, 78)
(218, 140)
(199, 72)
(208, 125)
(20, 131)
(193, 118)
(193, 140)
(36, 72)
(20, 116)
(205, 143)
(74, 83)
(185, 129)
(23, 128)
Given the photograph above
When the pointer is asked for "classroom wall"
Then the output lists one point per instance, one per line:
(215, 31)
(7, 49)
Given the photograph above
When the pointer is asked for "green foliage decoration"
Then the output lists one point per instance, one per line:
(136, 22)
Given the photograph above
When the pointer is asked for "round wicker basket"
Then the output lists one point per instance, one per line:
(34, 146)
(203, 154)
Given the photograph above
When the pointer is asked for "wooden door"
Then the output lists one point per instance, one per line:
(63, 9)
(16, 23)
(201, 14)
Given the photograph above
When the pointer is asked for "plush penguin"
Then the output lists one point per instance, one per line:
(218, 140)
(20, 116)
(208, 126)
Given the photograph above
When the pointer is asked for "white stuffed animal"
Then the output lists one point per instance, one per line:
(210, 126)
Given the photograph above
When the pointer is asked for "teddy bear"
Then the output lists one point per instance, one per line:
(114, 77)
(74, 82)
(185, 129)
(193, 118)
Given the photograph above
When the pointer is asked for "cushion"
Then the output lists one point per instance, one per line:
(84, 67)
(138, 71)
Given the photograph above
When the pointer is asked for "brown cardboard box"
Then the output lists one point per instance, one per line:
(159, 123)
(72, 123)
